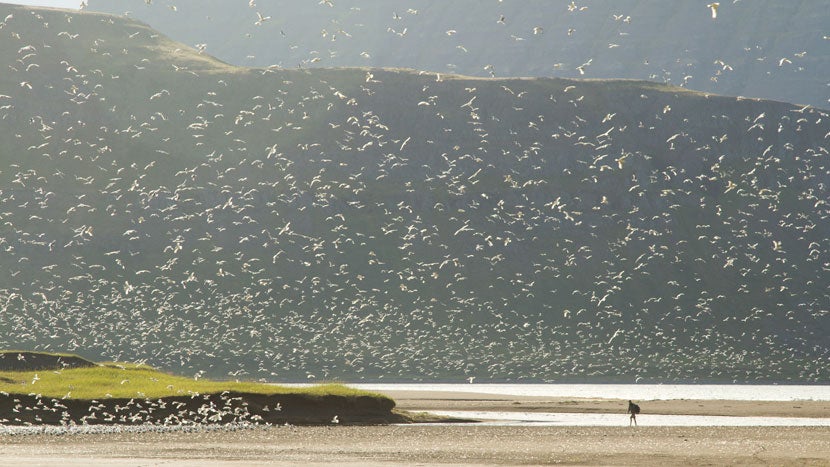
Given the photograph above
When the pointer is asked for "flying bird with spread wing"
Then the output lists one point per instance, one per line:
(714, 7)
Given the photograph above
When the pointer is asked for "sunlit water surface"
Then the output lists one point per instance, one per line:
(738, 392)
(639, 392)
(600, 419)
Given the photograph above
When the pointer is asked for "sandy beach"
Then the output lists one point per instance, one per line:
(436, 400)
(461, 444)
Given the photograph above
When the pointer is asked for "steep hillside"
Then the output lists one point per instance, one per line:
(14, 360)
(159, 205)
(761, 48)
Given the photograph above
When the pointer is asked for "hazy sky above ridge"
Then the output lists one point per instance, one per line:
(51, 3)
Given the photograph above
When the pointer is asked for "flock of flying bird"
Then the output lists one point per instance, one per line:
(157, 205)
(36, 414)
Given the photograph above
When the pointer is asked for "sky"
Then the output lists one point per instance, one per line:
(53, 3)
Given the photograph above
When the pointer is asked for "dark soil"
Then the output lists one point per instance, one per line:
(224, 408)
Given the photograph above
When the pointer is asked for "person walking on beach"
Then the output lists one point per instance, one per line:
(633, 409)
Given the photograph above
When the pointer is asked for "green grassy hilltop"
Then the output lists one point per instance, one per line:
(124, 381)
(105, 388)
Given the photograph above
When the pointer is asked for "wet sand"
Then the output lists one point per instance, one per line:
(436, 400)
(460, 444)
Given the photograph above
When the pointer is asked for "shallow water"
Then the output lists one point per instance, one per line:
(597, 419)
(738, 392)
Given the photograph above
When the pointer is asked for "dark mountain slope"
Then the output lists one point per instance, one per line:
(362, 223)
(761, 48)
(13, 360)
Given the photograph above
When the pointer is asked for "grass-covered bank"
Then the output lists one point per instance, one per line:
(116, 393)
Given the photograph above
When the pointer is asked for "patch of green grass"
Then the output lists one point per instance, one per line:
(119, 380)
